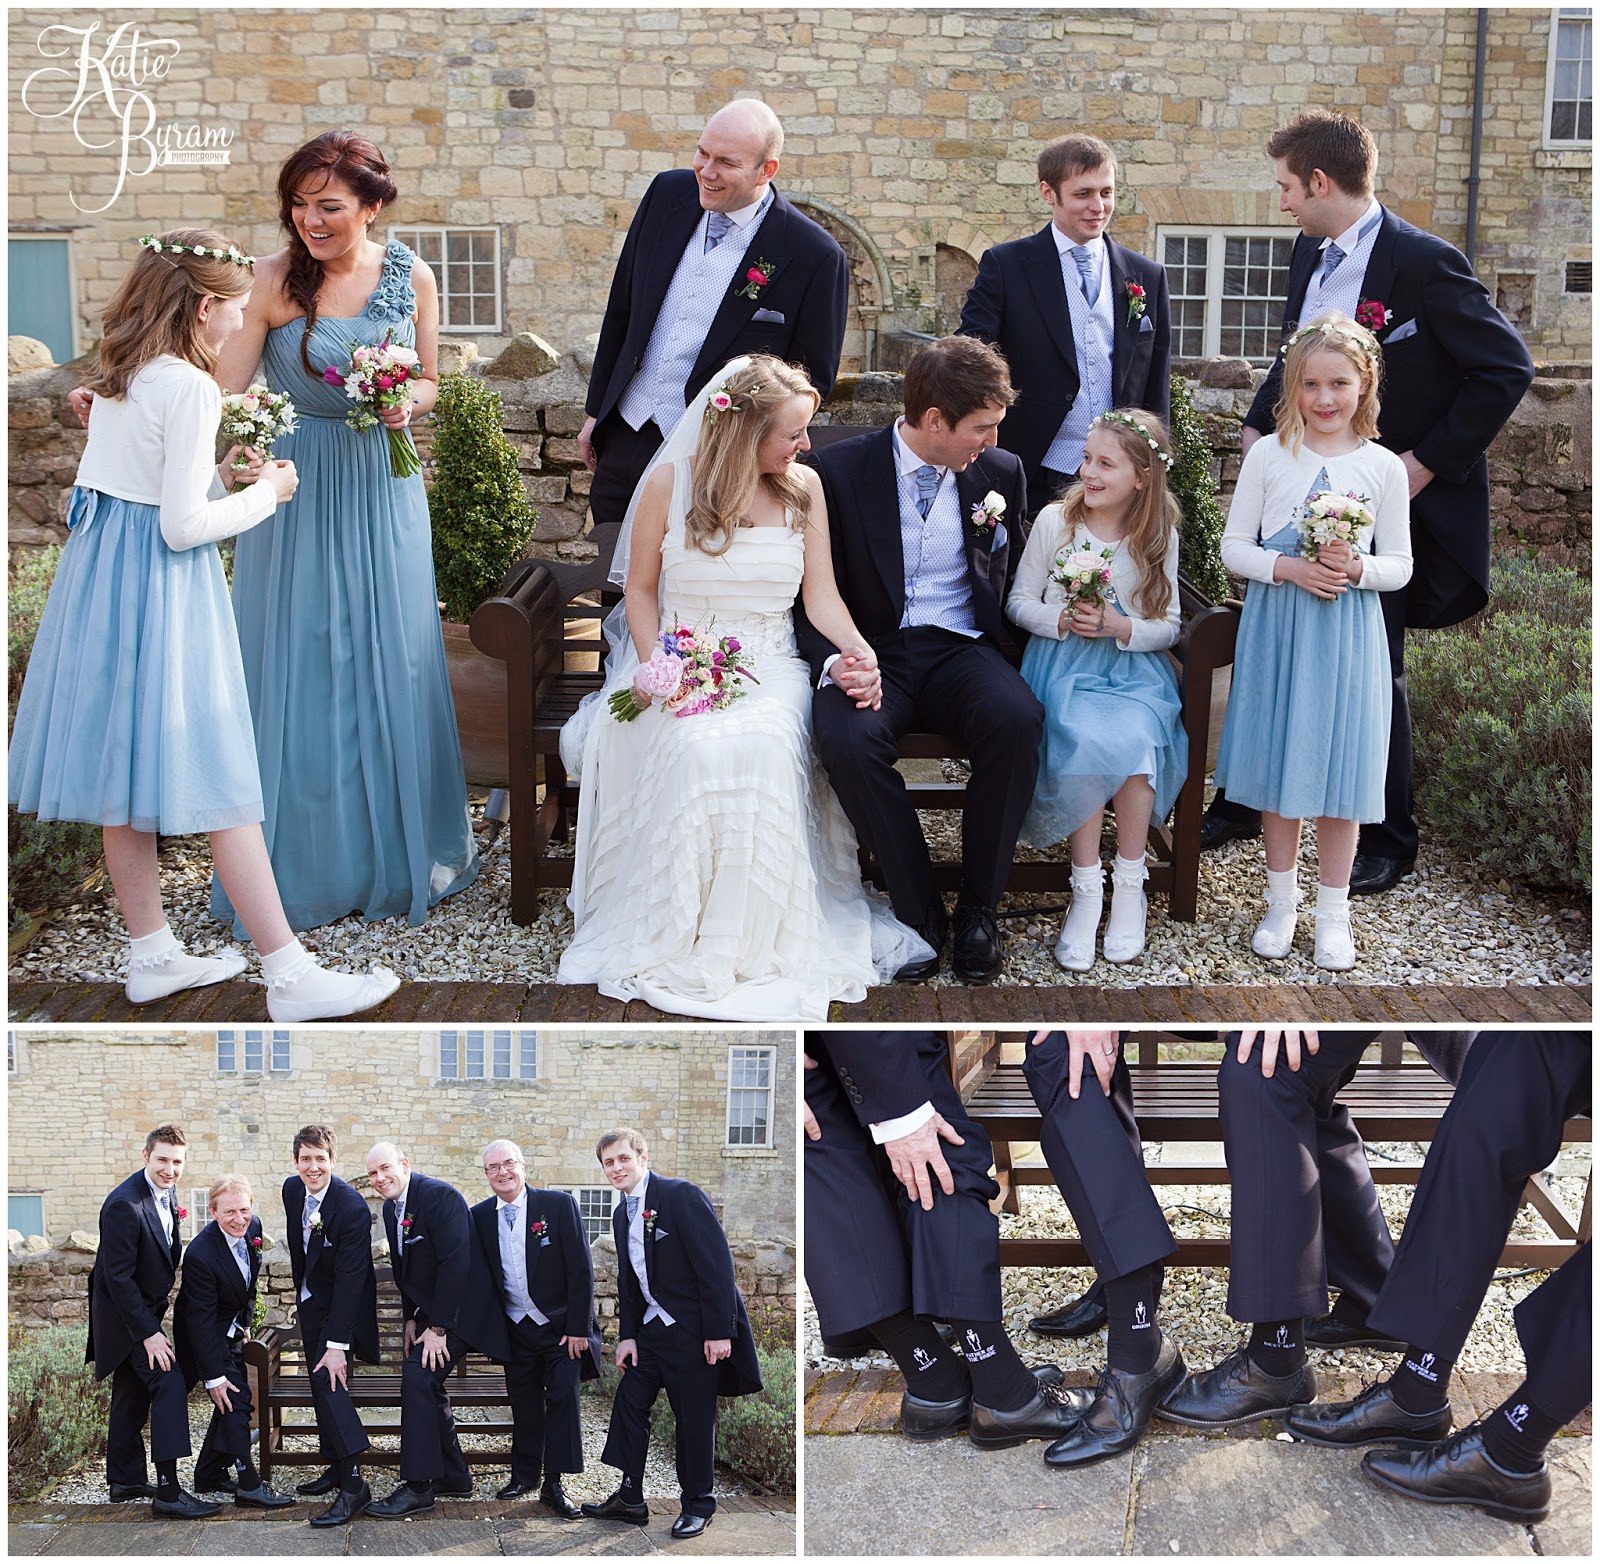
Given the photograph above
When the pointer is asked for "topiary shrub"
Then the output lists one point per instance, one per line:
(480, 512)
(1200, 536)
(1501, 711)
(55, 1412)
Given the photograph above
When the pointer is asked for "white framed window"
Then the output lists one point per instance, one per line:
(466, 264)
(13, 1063)
(489, 1054)
(254, 1050)
(595, 1204)
(1569, 79)
(1227, 288)
(750, 1082)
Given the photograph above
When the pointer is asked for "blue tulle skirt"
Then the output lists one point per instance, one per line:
(134, 709)
(1108, 715)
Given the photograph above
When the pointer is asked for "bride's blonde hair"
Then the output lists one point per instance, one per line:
(725, 473)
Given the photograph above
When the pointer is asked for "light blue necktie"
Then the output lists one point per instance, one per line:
(312, 1204)
(510, 1214)
(633, 1206)
(1330, 262)
(928, 477)
(717, 227)
(244, 1258)
(1089, 272)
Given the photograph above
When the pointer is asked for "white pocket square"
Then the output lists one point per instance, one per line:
(1146, 324)
(997, 539)
(772, 317)
(1400, 333)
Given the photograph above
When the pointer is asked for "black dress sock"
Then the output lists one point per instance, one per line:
(1000, 1381)
(1278, 1347)
(248, 1477)
(1422, 1382)
(349, 1470)
(1516, 1432)
(167, 1480)
(1133, 1341)
(933, 1372)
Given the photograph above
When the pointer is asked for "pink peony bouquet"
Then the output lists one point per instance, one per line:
(1333, 518)
(690, 672)
(255, 418)
(1083, 574)
(378, 376)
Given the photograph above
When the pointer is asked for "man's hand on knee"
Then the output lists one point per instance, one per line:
(916, 1156)
(1291, 1038)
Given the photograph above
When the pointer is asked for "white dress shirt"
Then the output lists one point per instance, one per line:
(653, 1310)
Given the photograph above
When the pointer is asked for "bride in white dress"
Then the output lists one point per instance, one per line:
(715, 873)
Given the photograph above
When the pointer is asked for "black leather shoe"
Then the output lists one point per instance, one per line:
(1372, 1418)
(1049, 1415)
(121, 1493)
(1048, 1373)
(1237, 1390)
(1082, 1317)
(979, 948)
(616, 1508)
(516, 1489)
(1120, 1412)
(850, 1344)
(1459, 1471)
(407, 1499)
(220, 1482)
(1331, 1331)
(261, 1497)
(923, 1421)
(1216, 829)
(555, 1496)
(184, 1508)
(1370, 875)
(346, 1507)
(935, 929)
(440, 1491)
(327, 1483)
(689, 1526)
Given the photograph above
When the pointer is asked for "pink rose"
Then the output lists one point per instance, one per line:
(757, 276)
(661, 676)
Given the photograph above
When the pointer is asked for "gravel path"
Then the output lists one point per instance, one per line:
(1447, 923)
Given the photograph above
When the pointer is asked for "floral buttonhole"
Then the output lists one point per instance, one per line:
(1135, 302)
(255, 1243)
(316, 1223)
(756, 278)
(536, 1228)
(649, 1219)
(1374, 314)
(405, 1226)
(986, 514)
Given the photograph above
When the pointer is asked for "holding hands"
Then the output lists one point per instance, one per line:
(856, 672)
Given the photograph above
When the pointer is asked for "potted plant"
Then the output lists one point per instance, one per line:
(482, 521)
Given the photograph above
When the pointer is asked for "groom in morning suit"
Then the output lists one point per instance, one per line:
(716, 263)
(140, 1246)
(1083, 323)
(1454, 370)
(926, 518)
(330, 1260)
(211, 1323)
(537, 1308)
(683, 1329)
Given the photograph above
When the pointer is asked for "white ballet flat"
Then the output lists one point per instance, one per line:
(152, 978)
(348, 994)
(1335, 949)
(1274, 935)
(1075, 944)
(1125, 928)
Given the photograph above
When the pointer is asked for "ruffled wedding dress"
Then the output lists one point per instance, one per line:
(715, 873)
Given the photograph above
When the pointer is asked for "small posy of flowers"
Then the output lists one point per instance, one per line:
(720, 401)
(316, 1223)
(690, 672)
(649, 1219)
(255, 418)
(1332, 518)
(536, 1228)
(378, 377)
(255, 1243)
(1135, 302)
(405, 1226)
(756, 277)
(986, 514)
(1373, 314)
(1084, 574)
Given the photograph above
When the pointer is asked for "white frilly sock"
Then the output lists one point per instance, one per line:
(1335, 944)
(1125, 927)
(298, 989)
(1275, 933)
(1075, 945)
(158, 965)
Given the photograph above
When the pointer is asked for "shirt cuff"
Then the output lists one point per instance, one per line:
(827, 671)
(893, 1129)
(343, 1346)
(221, 1379)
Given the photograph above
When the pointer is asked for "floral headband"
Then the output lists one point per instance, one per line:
(1346, 332)
(167, 247)
(1128, 421)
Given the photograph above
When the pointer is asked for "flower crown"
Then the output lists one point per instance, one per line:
(1128, 421)
(1346, 332)
(721, 401)
(167, 247)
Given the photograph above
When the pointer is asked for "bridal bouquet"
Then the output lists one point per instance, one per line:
(255, 418)
(378, 376)
(1333, 518)
(1084, 574)
(689, 672)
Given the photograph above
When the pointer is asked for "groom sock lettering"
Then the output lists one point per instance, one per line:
(1421, 1383)
(1133, 1340)
(933, 1372)
(1278, 1347)
(1516, 1432)
(999, 1379)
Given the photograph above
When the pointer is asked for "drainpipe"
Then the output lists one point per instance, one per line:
(1473, 176)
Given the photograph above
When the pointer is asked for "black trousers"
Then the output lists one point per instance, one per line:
(339, 1430)
(671, 1358)
(966, 689)
(430, 1452)
(139, 1392)
(1097, 1160)
(622, 454)
(1395, 836)
(227, 1439)
(870, 1251)
(1503, 1124)
(543, 1384)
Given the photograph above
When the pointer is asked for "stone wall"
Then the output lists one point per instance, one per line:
(100, 1094)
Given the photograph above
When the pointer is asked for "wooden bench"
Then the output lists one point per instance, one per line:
(279, 1382)
(1389, 1099)
(544, 627)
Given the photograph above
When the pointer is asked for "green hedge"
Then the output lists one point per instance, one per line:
(56, 1413)
(1192, 483)
(755, 1434)
(1502, 717)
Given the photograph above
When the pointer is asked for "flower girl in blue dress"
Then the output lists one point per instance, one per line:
(1097, 591)
(1321, 524)
(133, 714)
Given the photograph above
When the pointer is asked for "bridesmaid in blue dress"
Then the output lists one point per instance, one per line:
(338, 618)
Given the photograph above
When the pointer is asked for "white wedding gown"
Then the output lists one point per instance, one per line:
(716, 874)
